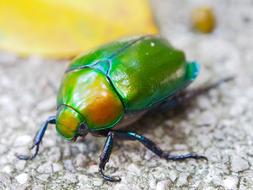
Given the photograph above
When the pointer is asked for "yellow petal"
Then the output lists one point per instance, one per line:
(64, 28)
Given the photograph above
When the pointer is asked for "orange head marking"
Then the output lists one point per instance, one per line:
(68, 122)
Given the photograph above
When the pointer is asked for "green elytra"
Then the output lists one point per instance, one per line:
(125, 76)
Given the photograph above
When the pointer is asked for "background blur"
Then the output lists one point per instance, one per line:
(218, 124)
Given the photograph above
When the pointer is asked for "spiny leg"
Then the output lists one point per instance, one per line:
(185, 97)
(105, 156)
(154, 148)
(107, 150)
(38, 138)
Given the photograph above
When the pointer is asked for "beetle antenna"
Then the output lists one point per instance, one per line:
(219, 82)
(202, 90)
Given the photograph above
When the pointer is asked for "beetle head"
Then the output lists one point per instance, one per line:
(69, 123)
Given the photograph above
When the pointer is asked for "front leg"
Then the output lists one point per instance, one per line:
(38, 138)
(105, 156)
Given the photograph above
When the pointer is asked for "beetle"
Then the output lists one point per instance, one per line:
(114, 85)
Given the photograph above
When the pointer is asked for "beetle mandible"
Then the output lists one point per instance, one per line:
(113, 86)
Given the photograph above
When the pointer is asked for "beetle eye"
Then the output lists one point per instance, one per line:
(83, 129)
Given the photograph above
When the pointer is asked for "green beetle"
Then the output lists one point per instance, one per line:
(113, 86)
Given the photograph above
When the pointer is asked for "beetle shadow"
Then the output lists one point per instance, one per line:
(158, 116)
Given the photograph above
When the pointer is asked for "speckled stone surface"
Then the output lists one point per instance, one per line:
(218, 124)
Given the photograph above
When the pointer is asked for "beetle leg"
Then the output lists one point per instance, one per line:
(185, 97)
(105, 156)
(38, 138)
(154, 148)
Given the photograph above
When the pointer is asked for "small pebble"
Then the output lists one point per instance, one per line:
(163, 185)
(152, 183)
(80, 160)
(83, 180)
(121, 187)
(92, 169)
(70, 178)
(238, 164)
(182, 180)
(203, 19)
(172, 175)
(57, 167)
(66, 152)
(179, 147)
(97, 182)
(159, 132)
(2, 149)
(7, 169)
(50, 142)
(22, 178)
(68, 165)
(43, 177)
(38, 187)
(230, 182)
(45, 168)
(20, 164)
(134, 168)
(22, 140)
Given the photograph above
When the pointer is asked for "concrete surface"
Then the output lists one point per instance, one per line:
(218, 124)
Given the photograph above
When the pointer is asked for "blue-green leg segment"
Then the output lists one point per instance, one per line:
(154, 148)
(38, 138)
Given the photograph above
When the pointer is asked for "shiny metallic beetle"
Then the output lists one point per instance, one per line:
(116, 84)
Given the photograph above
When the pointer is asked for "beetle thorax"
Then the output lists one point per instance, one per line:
(91, 97)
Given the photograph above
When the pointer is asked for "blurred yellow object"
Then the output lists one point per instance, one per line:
(203, 19)
(64, 28)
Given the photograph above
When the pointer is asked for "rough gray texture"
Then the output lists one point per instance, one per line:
(218, 124)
